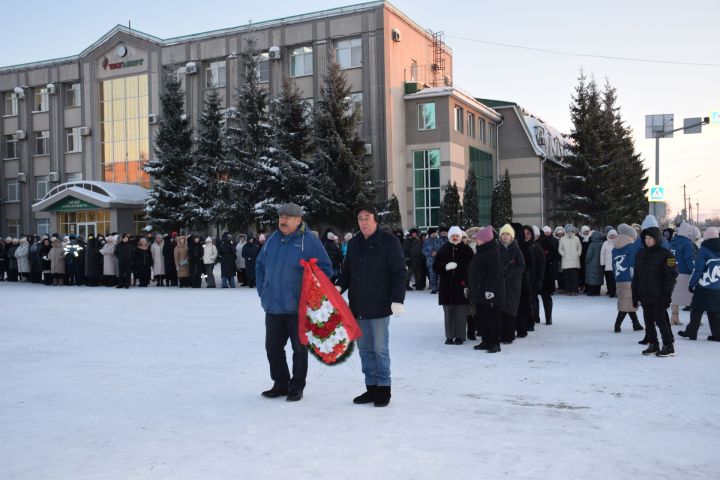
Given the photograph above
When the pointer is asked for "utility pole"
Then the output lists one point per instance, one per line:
(685, 205)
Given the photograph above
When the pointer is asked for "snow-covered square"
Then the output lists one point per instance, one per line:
(163, 383)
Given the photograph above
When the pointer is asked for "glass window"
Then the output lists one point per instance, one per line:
(41, 100)
(10, 146)
(349, 52)
(11, 104)
(357, 100)
(215, 74)
(426, 166)
(481, 130)
(413, 71)
(73, 177)
(42, 142)
(301, 61)
(492, 135)
(426, 116)
(74, 142)
(471, 125)
(42, 226)
(263, 67)
(481, 166)
(459, 120)
(41, 186)
(72, 95)
(13, 190)
(14, 228)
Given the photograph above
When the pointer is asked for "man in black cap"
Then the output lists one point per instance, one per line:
(412, 247)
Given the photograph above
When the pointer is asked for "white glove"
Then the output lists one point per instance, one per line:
(338, 288)
(489, 295)
(451, 266)
(397, 308)
(466, 292)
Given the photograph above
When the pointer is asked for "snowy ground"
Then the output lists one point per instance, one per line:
(165, 384)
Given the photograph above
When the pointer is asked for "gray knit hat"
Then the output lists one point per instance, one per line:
(625, 229)
(290, 210)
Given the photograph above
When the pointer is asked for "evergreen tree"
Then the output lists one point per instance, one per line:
(340, 179)
(450, 206)
(470, 205)
(288, 156)
(501, 207)
(209, 158)
(171, 198)
(390, 215)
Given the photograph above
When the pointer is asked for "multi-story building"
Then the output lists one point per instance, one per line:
(73, 128)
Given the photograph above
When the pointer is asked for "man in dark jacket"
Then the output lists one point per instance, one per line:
(549, 245)
(168, 251)
(93, 261)
(374, 274)
(537, 275)
(125, 252)
(226, 251)
(279, 281)
(652, 286)
(486, 287)
(414, 259)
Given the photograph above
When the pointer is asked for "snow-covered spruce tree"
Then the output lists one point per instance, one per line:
(501, 207)
(390, 215)
(450, 206)
(171, 197)
(290, 139)
(470, 206)
(246, 174)
(209, 156)
(340, 180)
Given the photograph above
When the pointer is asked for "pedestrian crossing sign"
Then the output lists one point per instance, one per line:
(657, 193)
(715, 117)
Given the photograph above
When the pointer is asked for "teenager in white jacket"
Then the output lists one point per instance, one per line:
(606, 260)
(570, 250)
(210, 254)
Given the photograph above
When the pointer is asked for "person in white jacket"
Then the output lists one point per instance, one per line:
(158, 260)
(22, 254)
(570, 250)
(210, 254)
(110, 270)
(240, 260)
(606, 260)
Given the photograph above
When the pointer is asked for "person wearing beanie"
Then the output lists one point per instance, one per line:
(652, 285)
(109, 278)
(451, 266)
(669, 233)
(513, 263)
(536, 269)
(570, 250)
(584, 236)
(623, 264)
(683, 247)
(143, 262)
(431, 247)
(171, 274)
(11, 247)
(559, 233)
(593, 267)
(705, 285)
(549, 245)
(524, 321)
(606, 261)
(3, 259)
(181, 258)
(210, 254)
(22, 258)
(250, 252)
(334, 252)
(471, 233)
(486, 288)
(414, 260)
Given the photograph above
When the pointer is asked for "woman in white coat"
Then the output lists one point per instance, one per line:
(606, 260)
(210, 254)
(22, 254)
(158, 268)
(570, 250)
(109, 262)
(240, 260)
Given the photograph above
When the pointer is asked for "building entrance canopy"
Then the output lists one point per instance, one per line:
(87, 195)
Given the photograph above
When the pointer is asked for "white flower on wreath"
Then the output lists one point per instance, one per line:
(322, 314)
(328, 344)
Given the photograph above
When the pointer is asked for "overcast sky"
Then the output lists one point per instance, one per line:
(542, 83)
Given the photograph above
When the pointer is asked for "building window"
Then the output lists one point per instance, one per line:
(42, 142)
(124, 130)
(357, 101)
(41, 100)
(215, 75)
(459, 120)
(471, 125)
(263, 67)
(426, 170)
(42, 227)
(413, 71)
(301, 61)
(11, 104)
(72, 95)
(349, 52)
(14, 228)
(481, 130)
(41, 186)
(481, 165)
(426, 116)
(13, 190)
(10, 146)
(492, 135)
(73, 177)
(74, 141)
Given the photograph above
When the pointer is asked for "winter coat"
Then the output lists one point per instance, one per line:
(278, 271)
(210, 254)
(169, 256)
(109, 259)
(593, 269)
(453, 282)
(606, 256)
(57, 257)
(570, 250)
(181, 255)
(125, 252)
(250, 252)
(143, 259)
(485, 274)
(195, 255)
(12, 260)
(513, 263)
(239, 259)
(705, 279)
(22, 255)
(655, 273)
(158, 259)
(93, 259)
(374, 271)
(682, 247)
(549, 245)
(432, 245)
(36, 263)
(226, 250)
(335, 254)
(43, 252)
(624, 258)
(537, 275)
(413, 250)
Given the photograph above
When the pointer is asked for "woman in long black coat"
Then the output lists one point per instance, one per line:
(171, 278)
(43, 252)
(197, 267)
(226, 251)
(93, 262)
(513, 263)
(125, 252)
(525, 317)
(249, 253)
(552, 262)
(451, 264)
(486, 285)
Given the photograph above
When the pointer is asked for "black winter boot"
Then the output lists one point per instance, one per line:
(382, 397)
(667, 351)
(618, 322)
(684, 334)
(651, 350)
(367, 397)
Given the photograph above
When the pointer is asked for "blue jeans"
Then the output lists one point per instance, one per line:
(228, 280)
(432, 275)
(374, 350)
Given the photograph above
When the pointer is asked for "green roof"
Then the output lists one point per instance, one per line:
(495, 103)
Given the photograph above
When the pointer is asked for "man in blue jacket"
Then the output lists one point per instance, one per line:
(279, 280)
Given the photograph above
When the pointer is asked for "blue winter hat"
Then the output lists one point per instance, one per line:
(650, 221)
(569, 228)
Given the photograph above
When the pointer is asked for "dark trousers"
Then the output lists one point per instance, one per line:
(124, 268)
(418, 271)
(572, 279)
(655, 314)
(143, 275)
(490, 318)
(547, 302)
(507, 327)
(694, 325)
(633, 316)
(536, 308)
(610, 282)
(278, 329)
